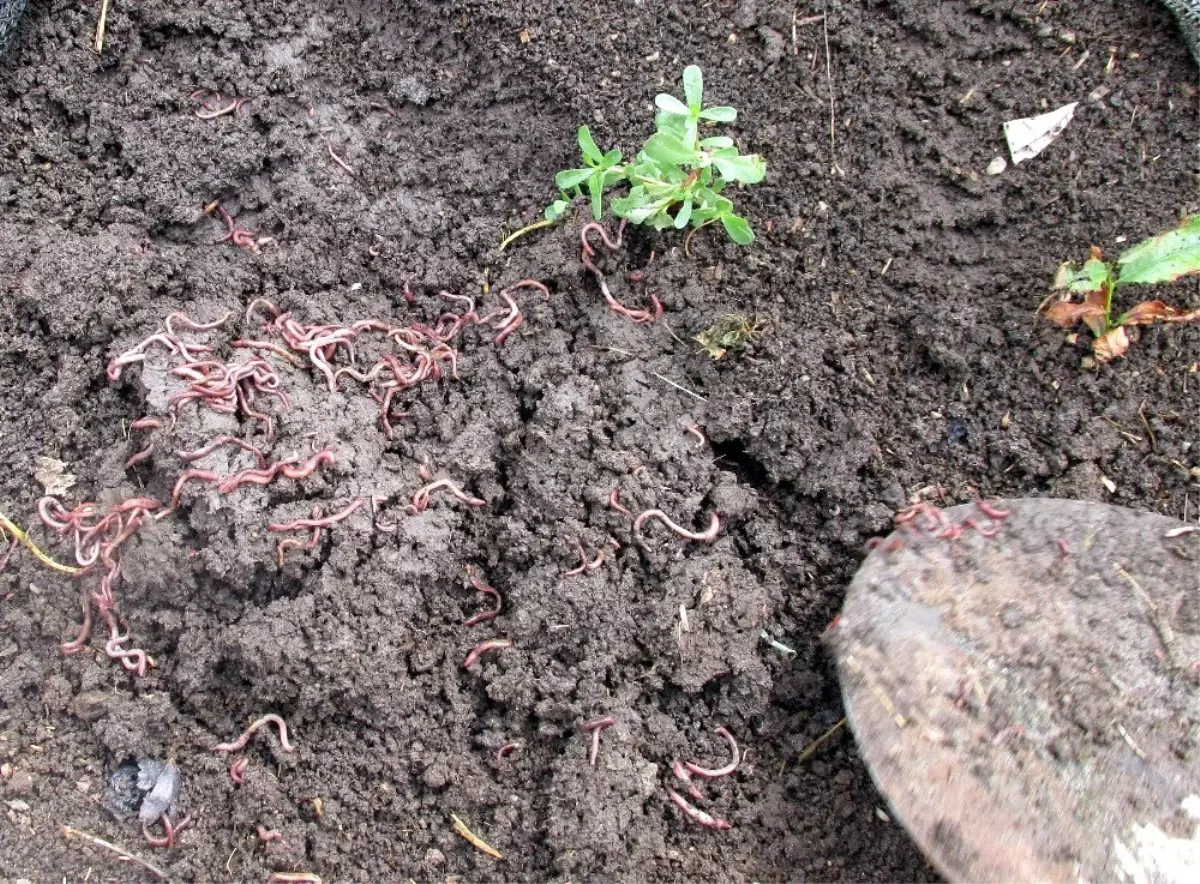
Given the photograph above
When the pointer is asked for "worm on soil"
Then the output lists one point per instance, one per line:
(706, 536)
(720, 771)
(596, 727)
(241, 741)
(494, 644)
(695, 814)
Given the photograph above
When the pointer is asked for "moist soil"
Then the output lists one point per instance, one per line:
(897, 358)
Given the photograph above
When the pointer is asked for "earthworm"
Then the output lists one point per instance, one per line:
(185, 477)
(301, 524)
(506, 750)
(78, 643)
(614, 502)
(695, 814)
(242, 343)
(1063, 549)
(707, 536)
(266, 835)
(695, 431)
(596, 727)
(484, 615)
(294, 878)
(585, 258)
(1181, 531)
(146, 423)
(237, 770)
(238, 236)
(681, 774)
(950, 532)
(189, 456)
(233, 107)
(171, 830)
(494, 644)
(241, 741)
(135, 660)
(584, 564)
(420, 500)
(274, 311)
(992, 512)
(191, 324)
(145, 454)
(720, 771)
(986, 530)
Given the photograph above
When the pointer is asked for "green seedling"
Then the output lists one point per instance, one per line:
(729, 334)
(1160, 259)
(677, 179)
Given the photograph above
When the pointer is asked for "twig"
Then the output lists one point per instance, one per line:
(1165, 633)
(807, 752)
(666, 380)
(478, 843)
(68, 832)
(101, 25)
(833, 166)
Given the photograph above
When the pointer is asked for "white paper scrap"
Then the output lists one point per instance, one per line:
(1030, 136)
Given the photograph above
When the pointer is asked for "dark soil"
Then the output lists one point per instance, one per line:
(899, 358)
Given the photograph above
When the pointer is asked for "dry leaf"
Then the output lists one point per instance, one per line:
(52, 475)
(1090, 311)
(1149, 312)
(1109, 346)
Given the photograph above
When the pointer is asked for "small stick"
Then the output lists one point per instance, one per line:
(69, 832)
(807, 752)
(101, 25)
(596, 727)
(241, 741)
(494, 644)
(695, 814)
(707, 536)
(478, 843)
(720, 771)
(294, 878)
(529, 228)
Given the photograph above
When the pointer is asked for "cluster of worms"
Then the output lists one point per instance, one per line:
(586, 256)
(97, 536)
(927, 518)
(686, 772)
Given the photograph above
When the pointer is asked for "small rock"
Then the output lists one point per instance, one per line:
(996, 166)
(746, 14)
(773, 44)
(90, 706)
(20, 783)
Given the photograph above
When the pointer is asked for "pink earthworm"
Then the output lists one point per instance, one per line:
(707, 536)
(720, 771)
(241, 741)
(596, 726)
(494, 644)
(695, 814)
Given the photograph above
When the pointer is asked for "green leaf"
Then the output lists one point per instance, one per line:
(639, 214)
(671, 105)
(747, 169)
(693, 88)
(1091, 277)
(588, 146)
(716, 142)
(1163, 258)
(665, 148)
(596, 189)
(720, 114)
(683, 215)
(568, 178)
(738, 229)
(555, 210)
(610, 159)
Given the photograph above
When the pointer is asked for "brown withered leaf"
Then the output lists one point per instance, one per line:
(1149, 312)
(1090, 311)
(1108, 347)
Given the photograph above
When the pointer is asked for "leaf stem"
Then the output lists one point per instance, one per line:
(529, 228)
(12, 528)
